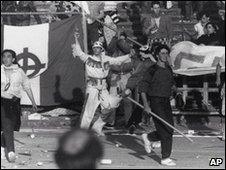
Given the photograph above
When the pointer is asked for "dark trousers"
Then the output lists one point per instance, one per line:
(10, 122)
(136, 116)
(161, 107)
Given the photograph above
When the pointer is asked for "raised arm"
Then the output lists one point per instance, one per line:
(77, 51)
(121, 59)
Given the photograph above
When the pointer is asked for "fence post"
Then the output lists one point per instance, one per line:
(185, 89)
(205, 90)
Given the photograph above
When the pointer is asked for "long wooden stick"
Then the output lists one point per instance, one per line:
(153, 114)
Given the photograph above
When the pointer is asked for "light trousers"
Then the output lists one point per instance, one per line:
(97, 97)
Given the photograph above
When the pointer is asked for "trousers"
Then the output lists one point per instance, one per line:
(96, 97)
(161, 107)
(10, 122)
(118, 83)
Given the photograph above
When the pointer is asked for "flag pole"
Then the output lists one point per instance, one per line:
(84, 27)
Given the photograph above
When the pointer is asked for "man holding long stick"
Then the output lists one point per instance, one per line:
(156, 87)
(97, 69)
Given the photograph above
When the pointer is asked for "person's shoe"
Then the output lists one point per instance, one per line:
(156, 144)
(147, 143)
(3, 153)
(168, 162)
(12, 156)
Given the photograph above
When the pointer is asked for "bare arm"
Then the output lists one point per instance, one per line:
(145, 101)
(31, 97)
(27, 88)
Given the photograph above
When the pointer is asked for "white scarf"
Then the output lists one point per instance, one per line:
(12, 67)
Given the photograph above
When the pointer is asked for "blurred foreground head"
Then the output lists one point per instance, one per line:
(78, 149)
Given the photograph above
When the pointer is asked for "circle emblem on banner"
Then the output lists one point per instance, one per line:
(35, 68)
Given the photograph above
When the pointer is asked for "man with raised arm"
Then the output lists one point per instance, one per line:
(97, 69)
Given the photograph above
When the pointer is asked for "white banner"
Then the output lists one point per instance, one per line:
(192, 60)
(31, 45)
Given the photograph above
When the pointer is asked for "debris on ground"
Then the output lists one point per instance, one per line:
(32, 136)
(106, 161)
(198, 156)
(39, 164)
(26, 153)
(23, 163)
(37, 116)
(60, 112)
(44, 151)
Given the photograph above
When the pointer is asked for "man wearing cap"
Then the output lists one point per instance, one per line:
(97, 69)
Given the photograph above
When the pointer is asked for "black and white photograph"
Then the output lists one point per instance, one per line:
(112, 84)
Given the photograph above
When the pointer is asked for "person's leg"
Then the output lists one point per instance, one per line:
(107, 102)
(135, 117)
(111, 117)
(128, 108)
(9, 113)
(89, 108)
(7, 126)
(3, 146)
(98, 126)
(162, 108)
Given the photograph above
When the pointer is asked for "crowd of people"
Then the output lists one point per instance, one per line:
(115, 69)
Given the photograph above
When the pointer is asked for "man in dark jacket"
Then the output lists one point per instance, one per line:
(156, 88)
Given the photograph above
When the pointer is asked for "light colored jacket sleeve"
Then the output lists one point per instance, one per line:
(77, 52)
(119, 60)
